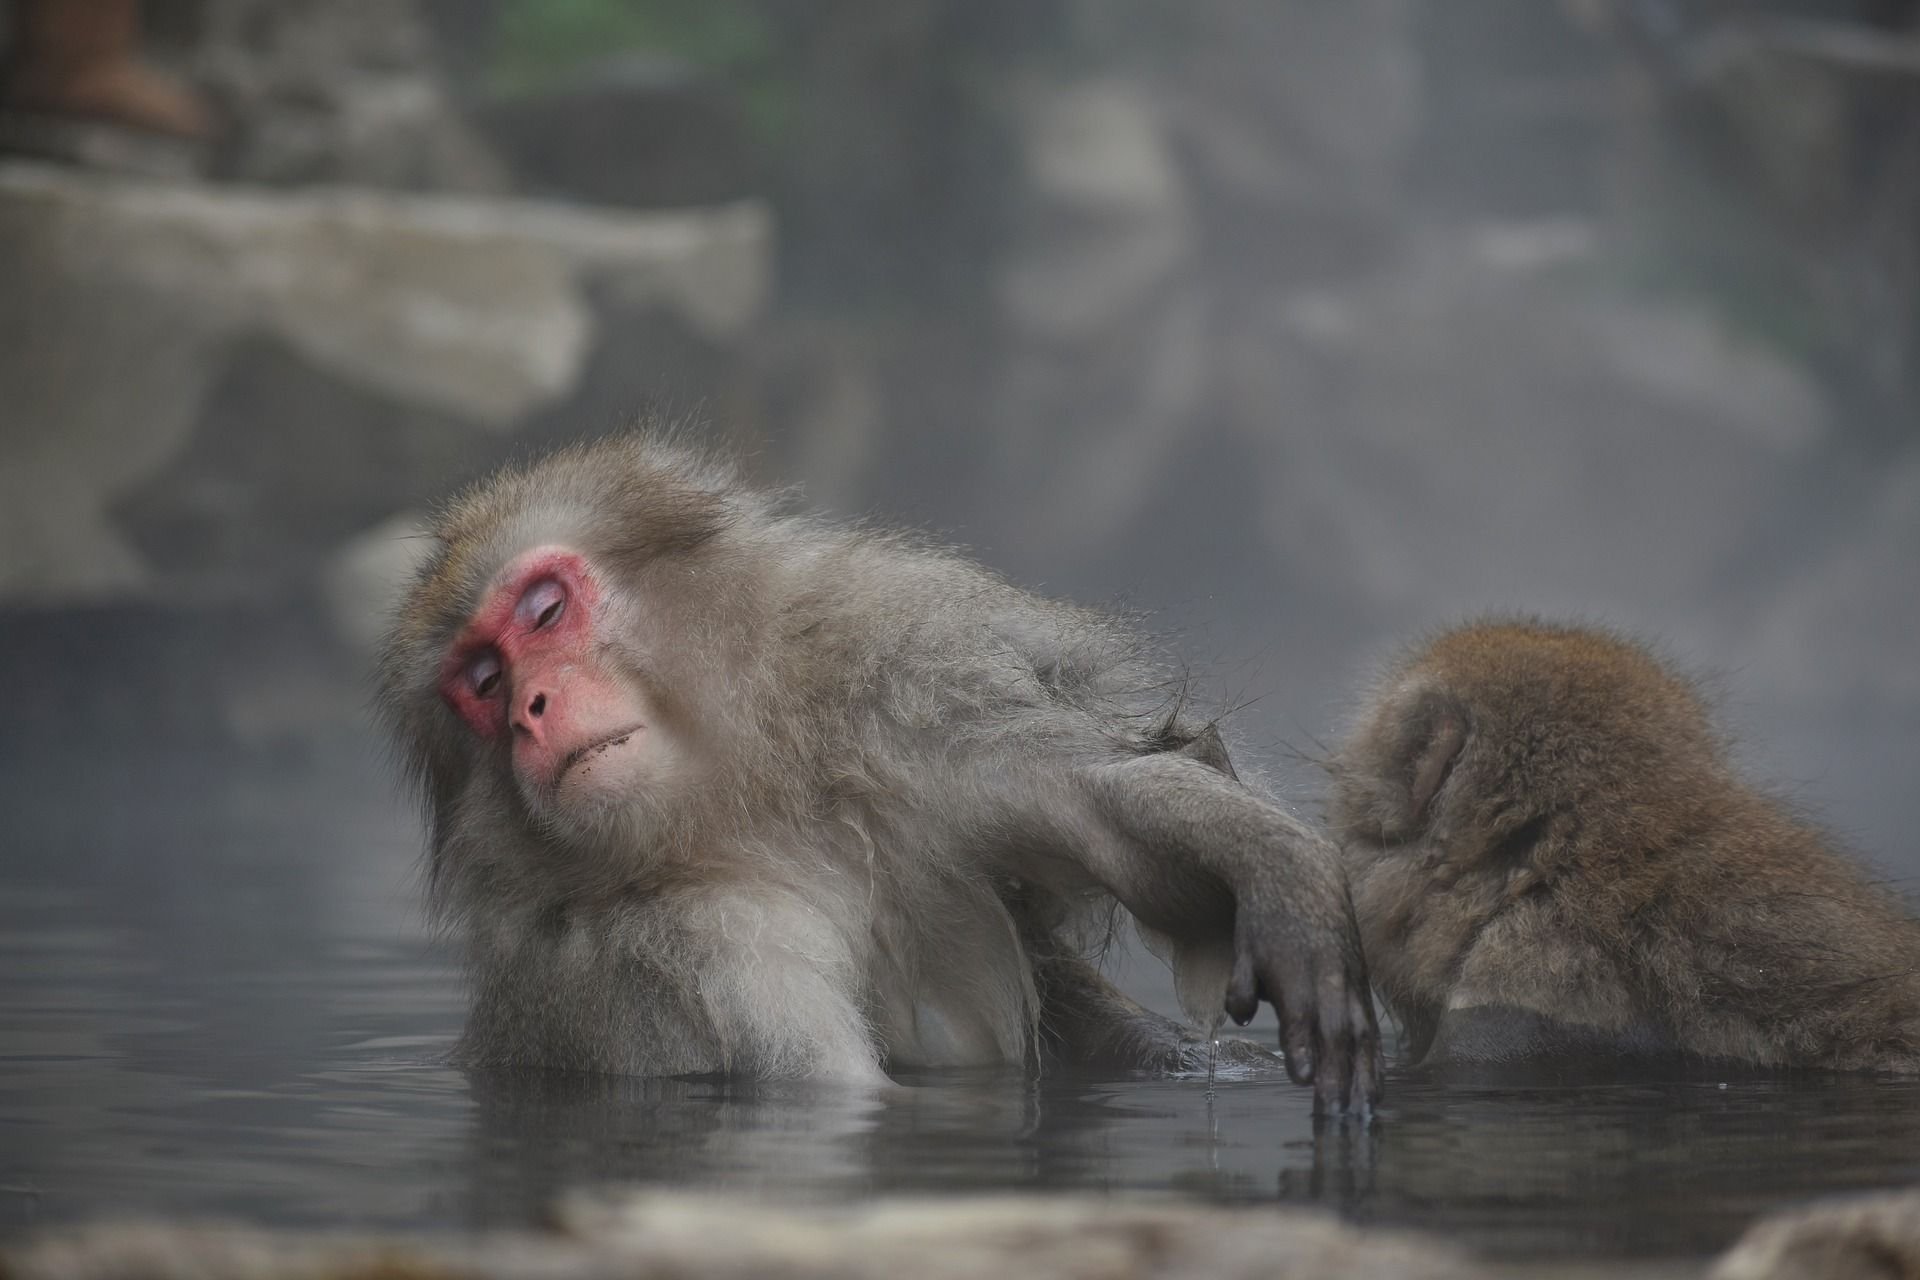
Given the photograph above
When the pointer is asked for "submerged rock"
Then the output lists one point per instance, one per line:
(1864, 1238)
(720, 1237)
(724, 1236)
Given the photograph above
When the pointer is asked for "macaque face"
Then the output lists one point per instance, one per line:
(531, 676)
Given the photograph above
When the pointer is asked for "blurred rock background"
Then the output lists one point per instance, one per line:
(1298, 327)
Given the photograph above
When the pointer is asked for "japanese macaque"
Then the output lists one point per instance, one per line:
(716, 786)
(1551, 857)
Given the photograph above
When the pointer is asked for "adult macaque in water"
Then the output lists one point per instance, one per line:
(718, 787)
(1550, 855)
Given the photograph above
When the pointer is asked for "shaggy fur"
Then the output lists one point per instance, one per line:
(1551, 854)
(920, 794)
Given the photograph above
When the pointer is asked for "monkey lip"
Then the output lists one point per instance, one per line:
(581, 754)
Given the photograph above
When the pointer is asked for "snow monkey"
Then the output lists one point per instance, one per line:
(716, 785)
(1551, 857)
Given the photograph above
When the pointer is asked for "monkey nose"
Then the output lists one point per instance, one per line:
(531, 709)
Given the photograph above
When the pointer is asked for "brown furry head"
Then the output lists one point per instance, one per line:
(1541, 818)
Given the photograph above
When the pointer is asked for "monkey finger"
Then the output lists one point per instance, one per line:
(1334, 1037)
(1333, 1083)
(1296, 1011)
(1366, 1091)
(1296, 1046)
(1243, 988)
(1367, 1061)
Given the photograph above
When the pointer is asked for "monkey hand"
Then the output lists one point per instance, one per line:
(1296, 945)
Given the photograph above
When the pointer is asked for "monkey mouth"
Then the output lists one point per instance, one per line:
(582, 754)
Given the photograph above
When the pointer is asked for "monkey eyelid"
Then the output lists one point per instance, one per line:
(483, 674)
(542, 603)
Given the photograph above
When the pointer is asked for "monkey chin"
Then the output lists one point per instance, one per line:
(592, 792)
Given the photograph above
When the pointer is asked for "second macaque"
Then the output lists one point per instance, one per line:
(1551, 857)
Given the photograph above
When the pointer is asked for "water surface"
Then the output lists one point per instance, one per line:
(217, 999)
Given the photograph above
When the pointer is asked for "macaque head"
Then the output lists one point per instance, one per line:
(1484, 742)
(546, 661)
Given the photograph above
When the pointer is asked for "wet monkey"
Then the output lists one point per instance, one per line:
(1550, 857)
(715, 785)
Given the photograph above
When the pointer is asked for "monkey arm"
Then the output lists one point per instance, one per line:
(1196, 856)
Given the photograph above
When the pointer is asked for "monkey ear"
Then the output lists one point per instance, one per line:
(1436, 730)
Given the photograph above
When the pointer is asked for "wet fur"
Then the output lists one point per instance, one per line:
(884, 866)
(1550, 853)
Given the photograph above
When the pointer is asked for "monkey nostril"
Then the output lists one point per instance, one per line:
(538, 706)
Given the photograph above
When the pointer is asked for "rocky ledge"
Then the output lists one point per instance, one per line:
(204, 389)
(1038, 1238)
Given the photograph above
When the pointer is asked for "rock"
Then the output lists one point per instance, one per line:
(1039, 1238)
(1151, 194)
(240, 503)
(1295, 124)
(367, 575)
(715, 1236)
(1106, 354)
(94, 145)
(318, 92)
(205, 388)
(1099, 177)
(640, 130)
(1866, 1238)
(1467, 435)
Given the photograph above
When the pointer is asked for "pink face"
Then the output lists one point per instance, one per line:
(528, 666)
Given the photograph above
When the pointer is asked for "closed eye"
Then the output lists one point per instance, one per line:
(542, 604)
(483, 675)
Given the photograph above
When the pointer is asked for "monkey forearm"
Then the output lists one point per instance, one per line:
(1197, 856)
(1183, 846)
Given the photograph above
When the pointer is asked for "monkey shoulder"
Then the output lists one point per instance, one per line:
(925, 651)
(894, 612)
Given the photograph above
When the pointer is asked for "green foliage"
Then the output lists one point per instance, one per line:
(541, 41)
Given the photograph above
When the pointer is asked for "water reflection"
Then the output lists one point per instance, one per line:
(225, 1007)
(1647, 1168)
